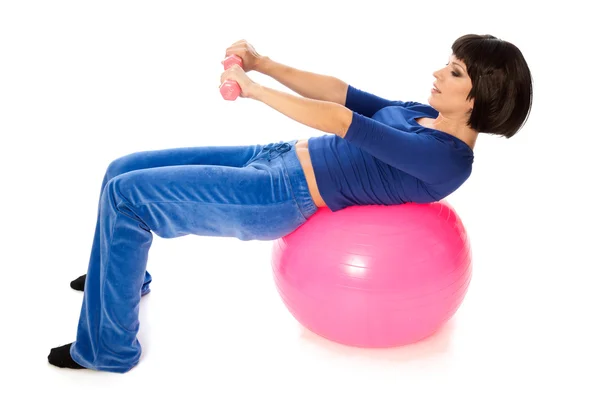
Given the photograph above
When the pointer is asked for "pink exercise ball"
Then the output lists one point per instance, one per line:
(375, 276)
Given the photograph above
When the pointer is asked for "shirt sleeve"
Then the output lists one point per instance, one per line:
(368, 104)
(421, 155)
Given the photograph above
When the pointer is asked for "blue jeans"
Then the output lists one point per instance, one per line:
(256, 192)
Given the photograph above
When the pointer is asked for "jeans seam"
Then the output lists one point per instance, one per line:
(102, 289)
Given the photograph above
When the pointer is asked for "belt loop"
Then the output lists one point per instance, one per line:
(278, 149)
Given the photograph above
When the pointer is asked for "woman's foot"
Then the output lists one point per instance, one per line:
(61, 357)
(79, 283)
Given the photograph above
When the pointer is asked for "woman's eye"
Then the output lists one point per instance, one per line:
(453, 73)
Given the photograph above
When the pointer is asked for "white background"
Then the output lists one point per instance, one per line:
(83, 83)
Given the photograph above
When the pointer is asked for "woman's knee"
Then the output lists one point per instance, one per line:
(123, 165)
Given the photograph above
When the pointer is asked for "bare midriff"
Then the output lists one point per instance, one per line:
(309, 172)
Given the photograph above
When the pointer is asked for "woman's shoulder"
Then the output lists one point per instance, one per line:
(422, 108)
(408, 110)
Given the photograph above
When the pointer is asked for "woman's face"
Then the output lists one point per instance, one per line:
(454, 84)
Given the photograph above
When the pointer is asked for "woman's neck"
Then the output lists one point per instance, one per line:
(455, 128)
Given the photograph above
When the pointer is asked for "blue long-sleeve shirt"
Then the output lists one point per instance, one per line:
(386, 157)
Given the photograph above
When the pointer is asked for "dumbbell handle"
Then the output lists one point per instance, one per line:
(230, 89)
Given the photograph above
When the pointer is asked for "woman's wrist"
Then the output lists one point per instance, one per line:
(255, 91)
(262, 64)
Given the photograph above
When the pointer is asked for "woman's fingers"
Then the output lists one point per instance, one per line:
(238, 45)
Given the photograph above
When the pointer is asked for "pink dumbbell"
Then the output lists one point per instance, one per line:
(230, 90)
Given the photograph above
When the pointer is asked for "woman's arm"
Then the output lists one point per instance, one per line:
(326, 116)
(322, 115)
(325, 88)
(307, 84)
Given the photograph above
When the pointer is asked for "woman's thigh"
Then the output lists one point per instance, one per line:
(255, 202)
(229, 156)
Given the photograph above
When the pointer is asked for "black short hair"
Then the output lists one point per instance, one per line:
(502, 84)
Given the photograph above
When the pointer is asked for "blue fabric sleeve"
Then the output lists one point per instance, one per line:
(368, 104)
(421, 155)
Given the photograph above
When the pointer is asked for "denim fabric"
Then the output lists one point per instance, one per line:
(256, 192)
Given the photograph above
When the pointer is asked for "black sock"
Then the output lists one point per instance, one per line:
(61, 357)
(79, 283)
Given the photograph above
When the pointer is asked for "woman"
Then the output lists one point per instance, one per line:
(377, 151)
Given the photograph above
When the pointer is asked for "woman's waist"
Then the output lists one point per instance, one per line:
(309, 172)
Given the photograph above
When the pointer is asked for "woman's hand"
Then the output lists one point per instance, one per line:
(244, 50)
(247, 86)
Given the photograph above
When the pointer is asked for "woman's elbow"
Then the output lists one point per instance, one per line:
(343, 122)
